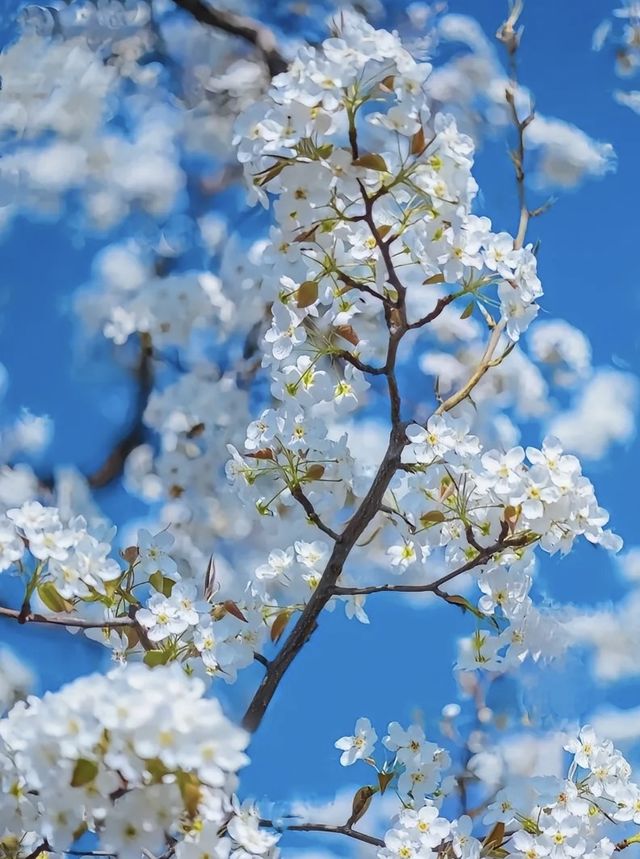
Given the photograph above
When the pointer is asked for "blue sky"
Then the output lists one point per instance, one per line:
(402, 661)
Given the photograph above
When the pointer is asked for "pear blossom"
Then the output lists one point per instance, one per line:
(360, 745)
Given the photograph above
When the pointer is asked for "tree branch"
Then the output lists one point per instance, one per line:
(251, 31)
(435, 587)
(113, 466)
(308, 620)
(437, 310)
(395, 317)
(66, 620)
(510, 38)
(310, 510)
(327, 827)
(261, 659)
(485, 363)
(358, 364)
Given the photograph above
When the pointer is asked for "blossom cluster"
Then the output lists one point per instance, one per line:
(68, 569)
(416, 767)
(480, 511)
(374, 239)
(347, 215)
(74, 560)
(489, 510)
(540, 817)
(138, 757)
(76, 67)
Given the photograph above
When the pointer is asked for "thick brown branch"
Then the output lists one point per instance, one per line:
(245, 28)
(308, 620)
(395, 318)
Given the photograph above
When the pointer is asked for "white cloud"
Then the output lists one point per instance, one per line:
(614, 636)
(628, 99)
(568, 155)
(629, 563)
(472, 85)
(603, 414)
(618, 725)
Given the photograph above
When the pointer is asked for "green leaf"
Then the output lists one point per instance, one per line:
(52, 599)
(361, 802)
(80, 831)
(130, 554)
(418, 142)
(314, 472)
(495, 838)
(153, 658)
(279, 625)
(384, 779)
(511, 515)
(347, 333)
(435, 278)
(161, 584)
(127, 596)
(232, 608)
(270, 173)
(372, 161)
(465, 605)
(196, 430)
(84, 772)
(191, 792)
(433, 517)
(156, 769)
(307, 293)
(466, 313)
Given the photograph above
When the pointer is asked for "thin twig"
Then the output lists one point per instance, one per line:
(391, 512)
(310, 510)
(327, 827)
(358, 364)
(261, 659)
(435, 587)
(485, 363)
(41, 848)
(66, 620)
(437, 310)
(133, 435)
